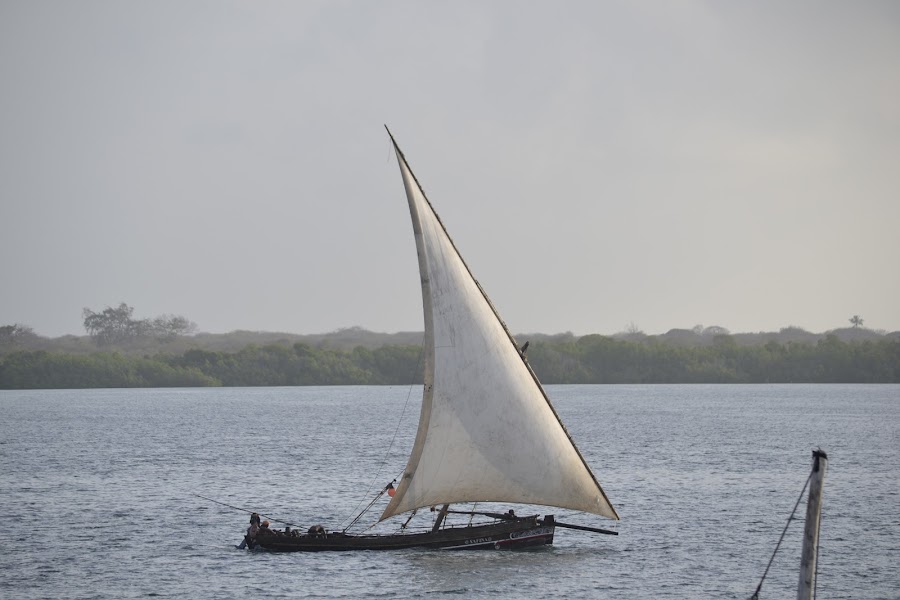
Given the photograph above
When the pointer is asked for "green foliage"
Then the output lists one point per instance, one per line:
(111, 325)
(561, 359)
(115, 325)
(599, 359)
(29, 370)
(15, 332)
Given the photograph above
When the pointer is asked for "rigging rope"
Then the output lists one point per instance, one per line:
(755, 595)
(366, 509)
(383, 460)
(247, 510)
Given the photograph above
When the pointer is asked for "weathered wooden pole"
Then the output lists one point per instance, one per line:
(808, 558)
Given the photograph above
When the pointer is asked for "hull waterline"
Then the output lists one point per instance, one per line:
(524, 533)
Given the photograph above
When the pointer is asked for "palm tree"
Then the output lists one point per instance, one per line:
(856, 320)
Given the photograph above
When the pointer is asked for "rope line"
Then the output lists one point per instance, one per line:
(755, 595)
(247, 510)
(366, 509)
(386, 454)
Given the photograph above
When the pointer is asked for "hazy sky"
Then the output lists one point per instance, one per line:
(598, 164)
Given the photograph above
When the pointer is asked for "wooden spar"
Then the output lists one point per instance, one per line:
(548, 521)
(807, 583)
(584, 528)
(493, 515)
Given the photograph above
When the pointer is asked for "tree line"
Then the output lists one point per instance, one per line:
(116, 325)
(592, 359)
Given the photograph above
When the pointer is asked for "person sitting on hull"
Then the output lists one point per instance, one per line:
(316, 531)
(252, 531)
(264, 529)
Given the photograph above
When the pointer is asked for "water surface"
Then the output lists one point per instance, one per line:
(97, 487)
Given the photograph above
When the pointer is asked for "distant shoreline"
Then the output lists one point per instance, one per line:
(359, 357)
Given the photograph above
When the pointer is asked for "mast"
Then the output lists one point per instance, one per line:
(440, 518)
(808, 560)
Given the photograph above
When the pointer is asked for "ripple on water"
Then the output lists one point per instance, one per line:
(98, 489)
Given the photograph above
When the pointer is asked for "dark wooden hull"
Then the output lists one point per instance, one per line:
(505, 535)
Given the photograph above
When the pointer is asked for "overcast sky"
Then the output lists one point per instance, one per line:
(598, 164)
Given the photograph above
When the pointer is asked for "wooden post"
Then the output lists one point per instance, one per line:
(808, 559)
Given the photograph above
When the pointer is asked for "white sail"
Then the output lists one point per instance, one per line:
(486, 431)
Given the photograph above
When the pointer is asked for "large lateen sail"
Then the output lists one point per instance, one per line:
(487, 432)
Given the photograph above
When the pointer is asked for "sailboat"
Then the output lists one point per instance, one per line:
(487, 430)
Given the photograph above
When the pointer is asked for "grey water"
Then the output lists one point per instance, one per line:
(97, 493)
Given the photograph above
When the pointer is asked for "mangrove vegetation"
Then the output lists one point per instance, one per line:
(564, 358)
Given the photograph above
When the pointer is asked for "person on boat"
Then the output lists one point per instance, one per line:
(316, 531)
(252, 531)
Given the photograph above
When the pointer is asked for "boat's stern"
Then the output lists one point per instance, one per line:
(538, 533)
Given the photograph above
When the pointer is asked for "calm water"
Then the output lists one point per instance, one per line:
(97, 486)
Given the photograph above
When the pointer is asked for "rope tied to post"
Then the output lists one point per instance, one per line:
(755, 595)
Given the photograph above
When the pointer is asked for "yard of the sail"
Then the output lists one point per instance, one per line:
(96, 487)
